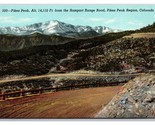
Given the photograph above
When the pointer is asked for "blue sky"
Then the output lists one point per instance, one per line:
(116, 20)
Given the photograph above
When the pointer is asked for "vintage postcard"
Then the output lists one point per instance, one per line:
(77, 61)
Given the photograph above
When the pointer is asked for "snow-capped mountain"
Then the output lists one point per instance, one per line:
(58, 28)
(103, 29)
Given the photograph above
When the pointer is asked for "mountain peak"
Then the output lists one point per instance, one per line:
(53, 21)
(56, 27)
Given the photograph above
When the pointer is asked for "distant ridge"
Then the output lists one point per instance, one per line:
(58, 28)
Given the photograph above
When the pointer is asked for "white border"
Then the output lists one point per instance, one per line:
(77, 122)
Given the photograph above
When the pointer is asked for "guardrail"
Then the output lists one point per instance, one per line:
(22, 93)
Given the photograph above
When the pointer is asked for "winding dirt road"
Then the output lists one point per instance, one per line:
(81, 103)
(62, 75)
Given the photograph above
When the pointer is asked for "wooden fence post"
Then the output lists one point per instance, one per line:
(41, 91)
(21, 92)
(3, 97)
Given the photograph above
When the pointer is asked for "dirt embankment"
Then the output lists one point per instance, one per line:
(141, 35)
(61, 80)
(82, 103)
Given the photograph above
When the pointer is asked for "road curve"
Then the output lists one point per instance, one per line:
(62, 75)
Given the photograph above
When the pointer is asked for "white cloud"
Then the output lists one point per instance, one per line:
(134, 23)
(6, 17)
(14, 20)
(130, 22)
(70, 19)
(108, 21)
(103, 20)
(94, 19)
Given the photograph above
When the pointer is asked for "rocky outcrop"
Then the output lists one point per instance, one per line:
(136, 99)
(122, 54)
(42, 58)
